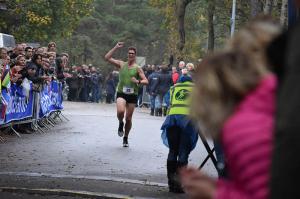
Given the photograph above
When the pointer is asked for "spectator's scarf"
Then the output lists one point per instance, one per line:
(5, 79)
(5, 82)
(3, 107)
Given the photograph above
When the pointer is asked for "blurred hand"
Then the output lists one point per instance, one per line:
(119, 44)
(196, 184)
(17, 75)
(14, 79)
(67, 75)
(46, 78)
(134, 80)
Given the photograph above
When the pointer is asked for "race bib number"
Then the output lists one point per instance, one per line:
(128, 90)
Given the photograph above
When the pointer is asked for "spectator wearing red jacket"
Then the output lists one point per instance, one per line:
(175, 75)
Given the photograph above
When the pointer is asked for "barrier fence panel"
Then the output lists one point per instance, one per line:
(145, 97)
(21, 104)
(17, 104)
(50, 98)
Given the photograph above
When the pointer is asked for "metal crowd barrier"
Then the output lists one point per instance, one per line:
(37, 124)
(145, 97)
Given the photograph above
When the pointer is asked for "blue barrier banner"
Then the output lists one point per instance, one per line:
(56, 96)
(18, 103)
(50, 98)
(45, 101)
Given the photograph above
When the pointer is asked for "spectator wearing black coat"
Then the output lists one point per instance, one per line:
(59, 68)
(36, 64)
(85, 91)
(110, 89)
(73, 83)
(152, 88)
(164, 84)
(285, 56)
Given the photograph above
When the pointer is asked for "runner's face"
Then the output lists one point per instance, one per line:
(131, 55)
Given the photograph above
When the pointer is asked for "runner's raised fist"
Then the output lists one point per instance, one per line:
(120, 45)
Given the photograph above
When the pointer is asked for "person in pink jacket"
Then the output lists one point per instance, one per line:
(246, 133)
(234, 100)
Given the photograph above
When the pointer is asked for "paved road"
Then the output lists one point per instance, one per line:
(88, 147)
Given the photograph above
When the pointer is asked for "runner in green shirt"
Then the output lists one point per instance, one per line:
(130, 77)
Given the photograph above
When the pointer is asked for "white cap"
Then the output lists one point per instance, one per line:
(181, 64)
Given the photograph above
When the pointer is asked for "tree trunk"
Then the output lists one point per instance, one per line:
(255, 7)
(210, 24)
(283, 14)
(268, 6)
(180, 12)
(113, 7)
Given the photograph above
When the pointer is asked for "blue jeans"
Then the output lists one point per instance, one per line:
(166, 99)
(179, 145)
(158, 101)
(162, 100)
(95, 94)
(152, 101)
(99, 94)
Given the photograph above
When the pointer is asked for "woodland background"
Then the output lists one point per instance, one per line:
(87, 29)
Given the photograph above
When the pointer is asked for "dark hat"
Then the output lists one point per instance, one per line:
(31, 66)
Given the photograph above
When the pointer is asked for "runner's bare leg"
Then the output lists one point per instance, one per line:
(121, 106)
(128, 118)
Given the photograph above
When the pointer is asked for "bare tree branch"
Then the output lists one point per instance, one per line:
(180, 12)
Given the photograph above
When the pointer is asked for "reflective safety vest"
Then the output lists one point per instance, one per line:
(180, 98)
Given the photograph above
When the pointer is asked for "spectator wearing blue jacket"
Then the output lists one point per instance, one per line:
(152, 88)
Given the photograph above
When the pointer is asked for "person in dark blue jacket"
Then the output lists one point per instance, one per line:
(152, 88)
(164, 85)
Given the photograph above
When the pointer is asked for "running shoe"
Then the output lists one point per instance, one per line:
(125, 142)
(121, 129)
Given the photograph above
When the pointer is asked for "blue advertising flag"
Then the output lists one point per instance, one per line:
(51, 98)
(19, 105)
(45, 101)
(56, 96)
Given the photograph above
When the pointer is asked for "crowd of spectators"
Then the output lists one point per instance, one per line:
(41, 65)
(83, 83)
(38, 65)
(87, 84)
(161, 78)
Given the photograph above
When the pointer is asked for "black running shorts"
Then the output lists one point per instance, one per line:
(130, 99)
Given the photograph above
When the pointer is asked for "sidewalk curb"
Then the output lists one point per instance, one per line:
(102, 178)
(66, 192)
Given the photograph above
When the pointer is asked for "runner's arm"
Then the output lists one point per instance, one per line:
(143, 79)
(108, 56)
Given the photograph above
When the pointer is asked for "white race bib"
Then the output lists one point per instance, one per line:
(128, 90)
